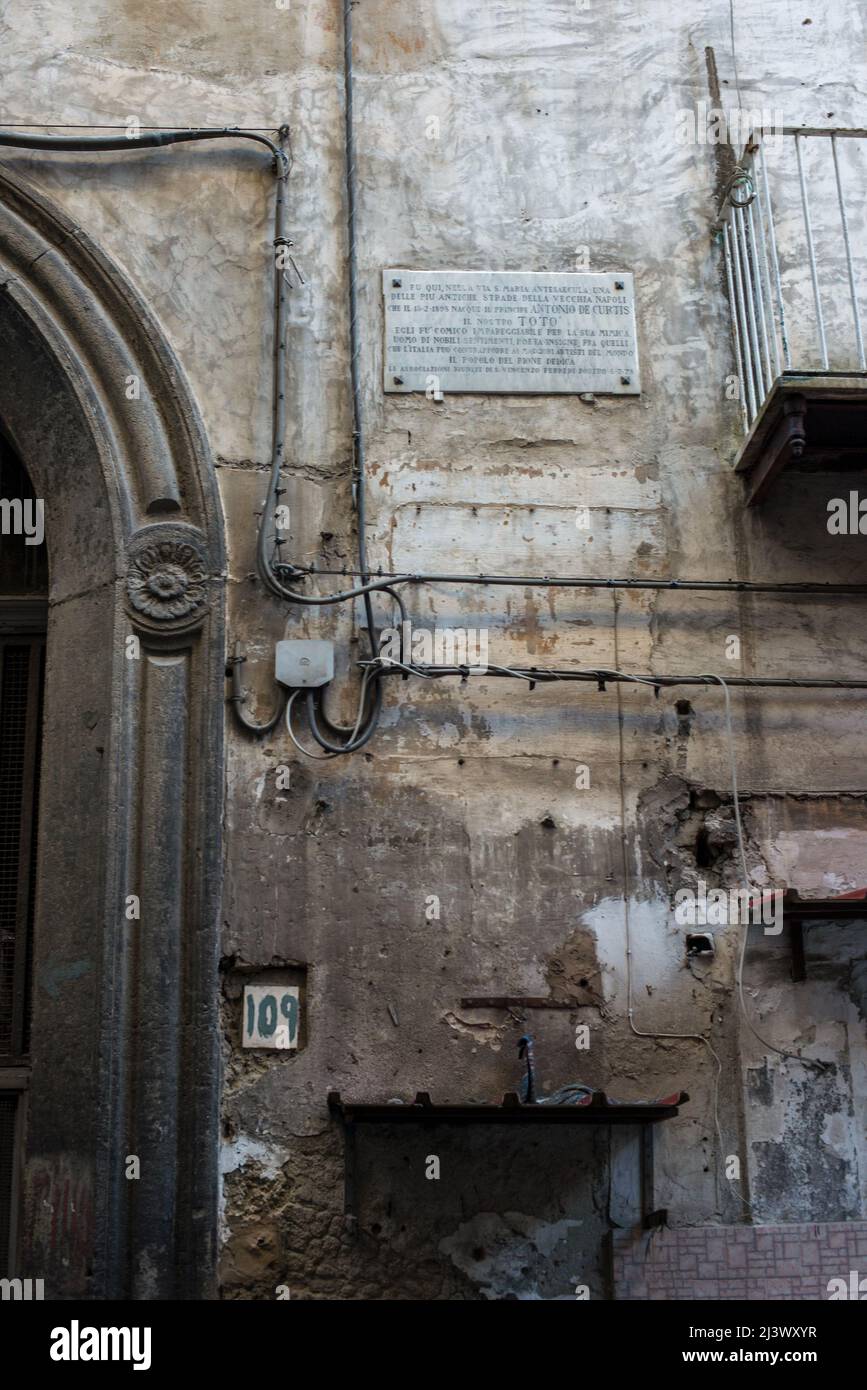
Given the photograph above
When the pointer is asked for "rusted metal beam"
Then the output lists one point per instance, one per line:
(510, 1111)
(518, 1001)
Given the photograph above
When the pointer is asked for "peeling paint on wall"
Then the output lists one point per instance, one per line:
(469, 794)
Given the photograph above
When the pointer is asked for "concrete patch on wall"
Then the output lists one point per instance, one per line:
(510, 1255)
(468, 795)
(483, 1031)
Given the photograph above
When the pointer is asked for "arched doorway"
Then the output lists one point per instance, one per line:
(23, 611)
(124, 1043)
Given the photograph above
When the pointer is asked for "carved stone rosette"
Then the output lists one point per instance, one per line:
(167, 577)
(127, 1059)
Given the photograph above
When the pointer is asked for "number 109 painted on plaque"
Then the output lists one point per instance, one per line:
(271, 1014)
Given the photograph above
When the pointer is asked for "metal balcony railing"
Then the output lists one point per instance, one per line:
(792, 263)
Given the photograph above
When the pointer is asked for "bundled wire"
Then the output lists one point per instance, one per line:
(333, 738)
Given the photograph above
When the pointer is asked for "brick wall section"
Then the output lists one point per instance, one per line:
(750, 1262)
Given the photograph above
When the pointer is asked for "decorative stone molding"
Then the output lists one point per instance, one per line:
(128, 1063)
(167, 577)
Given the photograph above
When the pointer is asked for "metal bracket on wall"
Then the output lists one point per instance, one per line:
(511, 1110)
(519, 1001)
(650, 1220)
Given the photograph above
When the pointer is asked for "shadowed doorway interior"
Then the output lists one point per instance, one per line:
(23, 604)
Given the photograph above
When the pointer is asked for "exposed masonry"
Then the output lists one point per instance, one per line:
(289, 1226)
(471, 794)
(686, 833)
(689, 831)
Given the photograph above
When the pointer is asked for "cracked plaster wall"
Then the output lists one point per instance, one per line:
(557, 130)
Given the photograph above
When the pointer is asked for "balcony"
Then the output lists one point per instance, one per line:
(793, 267)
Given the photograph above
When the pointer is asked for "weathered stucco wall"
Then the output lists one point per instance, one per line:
(557, 130)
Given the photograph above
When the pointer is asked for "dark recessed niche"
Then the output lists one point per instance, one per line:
(699, 944)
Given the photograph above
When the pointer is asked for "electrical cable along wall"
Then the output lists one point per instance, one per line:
(418, 909)
(275, 571)
(333, 738)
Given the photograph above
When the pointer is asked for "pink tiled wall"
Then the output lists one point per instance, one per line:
(752, 1262)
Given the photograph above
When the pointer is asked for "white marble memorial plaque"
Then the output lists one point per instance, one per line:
(509, 331)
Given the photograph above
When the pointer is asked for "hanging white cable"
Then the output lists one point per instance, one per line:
(359, 719)
(750, 889)
(316, 757)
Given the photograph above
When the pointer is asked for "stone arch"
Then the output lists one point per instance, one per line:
(125, 1052)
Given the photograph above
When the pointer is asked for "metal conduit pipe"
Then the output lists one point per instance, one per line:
(238, 698)
(601, 676)
(83, 143)
(584, 581)
(154, 139)
(271, 572)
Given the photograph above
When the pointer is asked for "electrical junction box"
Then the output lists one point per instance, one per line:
(302, 665)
